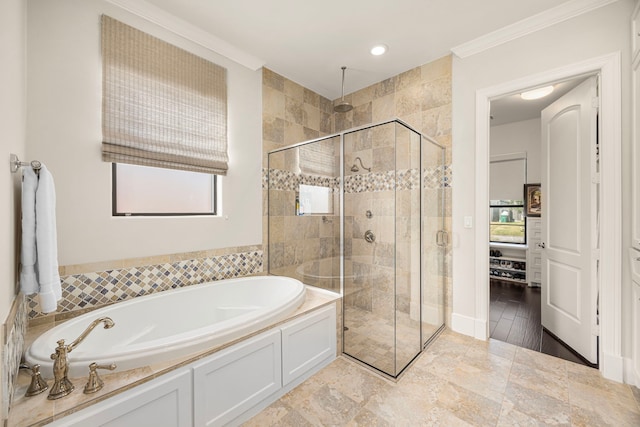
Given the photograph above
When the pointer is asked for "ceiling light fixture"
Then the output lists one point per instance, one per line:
(537, 93)
(378, 50)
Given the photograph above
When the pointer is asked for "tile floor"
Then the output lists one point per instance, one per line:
(459, 381)
(370, 338)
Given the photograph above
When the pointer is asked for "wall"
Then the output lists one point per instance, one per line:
(12, 125)
(421, 97)
(602, 31)
(64, 132)
(293, 114)
(519, 137)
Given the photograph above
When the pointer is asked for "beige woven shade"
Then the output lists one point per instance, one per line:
(161, 106)
(318, 158)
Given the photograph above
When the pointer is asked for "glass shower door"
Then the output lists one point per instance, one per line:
(304, 213)
(382, 246)
(434, 245)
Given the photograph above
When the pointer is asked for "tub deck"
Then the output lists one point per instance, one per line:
(38, 411)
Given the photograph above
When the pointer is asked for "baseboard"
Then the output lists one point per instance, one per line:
(630, 375)
(613, 367)
(463, 324)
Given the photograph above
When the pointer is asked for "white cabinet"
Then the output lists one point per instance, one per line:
(227, 387)
(232, 381)
(235, 384)
(534, 253)
(162, 402)
(307, 343)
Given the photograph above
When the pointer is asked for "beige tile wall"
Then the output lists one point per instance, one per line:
(421, 97)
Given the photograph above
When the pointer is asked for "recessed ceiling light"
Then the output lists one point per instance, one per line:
(379, 49)
(537, 93)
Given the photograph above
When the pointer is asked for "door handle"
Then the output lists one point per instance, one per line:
(540, 245)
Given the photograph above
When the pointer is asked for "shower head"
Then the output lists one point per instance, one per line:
(354, 168)
(342, 106)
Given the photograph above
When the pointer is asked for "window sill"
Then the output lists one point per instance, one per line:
(509, 246)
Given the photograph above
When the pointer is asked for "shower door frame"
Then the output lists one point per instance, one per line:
(423, 139)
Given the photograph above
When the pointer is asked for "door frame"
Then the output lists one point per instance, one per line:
(610, 208)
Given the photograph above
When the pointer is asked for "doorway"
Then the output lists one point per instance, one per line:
(531, 305)
(609, 297)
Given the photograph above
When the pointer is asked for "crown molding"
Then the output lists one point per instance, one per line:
(529, 25)
(188, 31)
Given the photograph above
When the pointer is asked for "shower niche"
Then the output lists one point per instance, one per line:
(371, 229)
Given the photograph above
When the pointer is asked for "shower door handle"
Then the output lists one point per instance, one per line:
(369, 236)
(442, 238)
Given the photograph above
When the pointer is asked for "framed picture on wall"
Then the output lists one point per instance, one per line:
(532, 200)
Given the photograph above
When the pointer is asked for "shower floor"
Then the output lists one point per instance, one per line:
(370, 339)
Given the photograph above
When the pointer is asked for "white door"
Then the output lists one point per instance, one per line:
(569, 226)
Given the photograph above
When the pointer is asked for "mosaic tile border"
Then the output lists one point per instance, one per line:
(404, 179)
(90, 290)
(14, 330)
(290, 181)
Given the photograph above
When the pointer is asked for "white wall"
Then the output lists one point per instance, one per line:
(64, 132)
(12, 133)
(519, 137)
(600, 32)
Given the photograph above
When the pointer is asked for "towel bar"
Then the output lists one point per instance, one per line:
(16, 164)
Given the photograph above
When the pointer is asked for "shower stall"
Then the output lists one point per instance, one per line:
(361, 213)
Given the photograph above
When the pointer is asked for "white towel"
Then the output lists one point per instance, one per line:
(28, 279)
(39, 239)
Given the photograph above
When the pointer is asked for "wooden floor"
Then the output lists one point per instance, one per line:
(515, 318)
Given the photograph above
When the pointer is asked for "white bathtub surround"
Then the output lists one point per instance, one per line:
(172, 324)
(119, 281)
(39, 258)
(37, 410)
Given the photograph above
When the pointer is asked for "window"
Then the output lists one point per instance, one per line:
(141, 190)
(507, 223)
(164, 124)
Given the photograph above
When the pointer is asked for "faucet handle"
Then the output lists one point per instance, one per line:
(38, 385)
(94, 383)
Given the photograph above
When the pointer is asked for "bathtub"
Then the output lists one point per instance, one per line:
(171, 324)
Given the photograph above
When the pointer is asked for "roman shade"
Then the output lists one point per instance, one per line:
(161, 106)
(507, 176)
(318, 158)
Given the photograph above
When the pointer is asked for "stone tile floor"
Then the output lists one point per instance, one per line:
(459, 381)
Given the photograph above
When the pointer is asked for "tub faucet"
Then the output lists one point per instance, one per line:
(61, 384)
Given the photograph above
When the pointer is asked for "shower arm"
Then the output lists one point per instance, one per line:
(358, 159)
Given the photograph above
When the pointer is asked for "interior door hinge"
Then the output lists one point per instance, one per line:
(595, 330)
(595, 178)
(595, 102)
(595, 254)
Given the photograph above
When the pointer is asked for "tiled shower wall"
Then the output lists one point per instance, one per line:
(421, 97)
